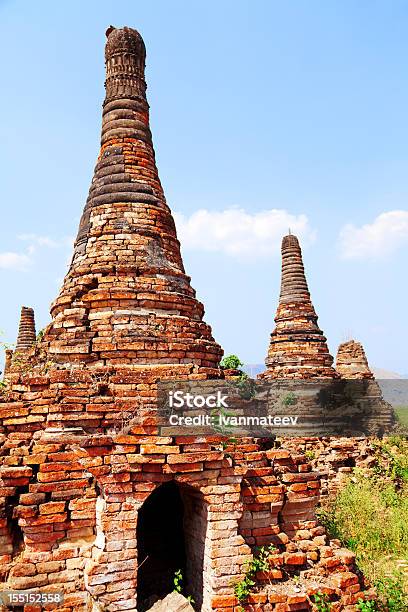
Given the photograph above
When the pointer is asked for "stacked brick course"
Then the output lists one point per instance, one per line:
(81, 458)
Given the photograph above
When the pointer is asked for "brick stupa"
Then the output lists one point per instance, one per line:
(126, 297)
(25, 344)
(26, 332)
(298, 348)
(351, 361)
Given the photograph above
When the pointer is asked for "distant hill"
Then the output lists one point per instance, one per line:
(386, 374)
(394, 386)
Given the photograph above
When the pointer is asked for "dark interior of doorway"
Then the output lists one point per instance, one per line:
(161, 545)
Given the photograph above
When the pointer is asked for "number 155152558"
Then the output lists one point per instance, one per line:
(24, 598)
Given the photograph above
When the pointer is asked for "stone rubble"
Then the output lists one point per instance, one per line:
(174, 602)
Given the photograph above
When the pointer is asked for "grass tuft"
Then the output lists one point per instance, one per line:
(370, 516)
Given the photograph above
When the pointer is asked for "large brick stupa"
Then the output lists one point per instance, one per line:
(126, 297)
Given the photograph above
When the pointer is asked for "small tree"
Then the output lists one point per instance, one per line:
(231, 362)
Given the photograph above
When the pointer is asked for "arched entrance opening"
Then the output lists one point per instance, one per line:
(171, 531)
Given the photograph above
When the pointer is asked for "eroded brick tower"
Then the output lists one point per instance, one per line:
(298, 348)
(126, 297)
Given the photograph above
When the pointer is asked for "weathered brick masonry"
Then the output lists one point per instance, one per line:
(93, 501)
(351, 361)
(335, 458)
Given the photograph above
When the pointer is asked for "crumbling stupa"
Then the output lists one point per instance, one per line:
(94, 503)
(351, 361)
(126, 297)
(297, 348)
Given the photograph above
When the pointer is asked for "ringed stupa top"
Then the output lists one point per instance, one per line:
(26, 331)
(126, 297)
(298, 348)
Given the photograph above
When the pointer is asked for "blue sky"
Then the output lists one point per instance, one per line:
(264, 114)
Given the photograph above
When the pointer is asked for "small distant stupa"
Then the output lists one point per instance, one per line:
(351, 361)
(26, 331)
(298, 348)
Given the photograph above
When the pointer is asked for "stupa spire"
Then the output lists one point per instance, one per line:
(298, 348)
(26, 330)
(126, 297)
(293, 281)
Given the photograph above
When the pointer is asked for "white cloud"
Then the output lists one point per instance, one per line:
(38, 240)
(14, 261)
(46, 241)
(238, 233)
(387, 233)
(11, 260)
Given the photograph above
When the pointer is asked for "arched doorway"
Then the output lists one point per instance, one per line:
(171, 530)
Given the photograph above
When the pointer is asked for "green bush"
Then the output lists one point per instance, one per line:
(367, 606)
(321, 602)
(370, 518)
(289, 399)
(231, 362)
(392, 595)
(243, 589)
(402, 415)
(259, 563)
(178, 584)
(246, 386)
